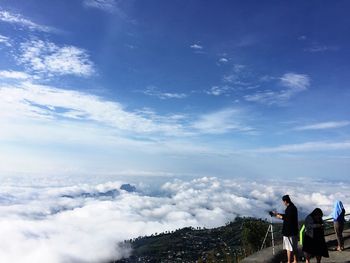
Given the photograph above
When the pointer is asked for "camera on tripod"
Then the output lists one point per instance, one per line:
(270, 231)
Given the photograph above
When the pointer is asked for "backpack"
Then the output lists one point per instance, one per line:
(301, 234)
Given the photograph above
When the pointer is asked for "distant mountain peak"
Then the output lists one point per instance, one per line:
(128, 187)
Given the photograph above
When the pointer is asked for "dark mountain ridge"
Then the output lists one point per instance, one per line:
(113, 193)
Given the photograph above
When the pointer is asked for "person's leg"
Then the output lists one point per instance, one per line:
(337, 229)
(307, 257)
(295, 257)
(318, 258)
(289, 256)
(341, 229)
(295, 249)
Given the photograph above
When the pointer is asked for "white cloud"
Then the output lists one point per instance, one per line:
(48, 58)
(324, 125)
(105, 5)
(5, 40)
(223, 60)
(196, 47)
(153, 91)
(223, 121)
(48, 103)
(295, 83)
(11, 74)
(70, 126)
(17, 19)
(48, 130)
(58, 224)
(218, 90)
(306, 147)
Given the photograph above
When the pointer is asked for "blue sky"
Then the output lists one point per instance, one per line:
(255, 89)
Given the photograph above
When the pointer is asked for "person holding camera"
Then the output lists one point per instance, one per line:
(289, 229)
(314, 243)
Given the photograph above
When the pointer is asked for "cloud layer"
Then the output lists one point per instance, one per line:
(77, 224)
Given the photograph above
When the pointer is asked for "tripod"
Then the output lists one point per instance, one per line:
(269, 230)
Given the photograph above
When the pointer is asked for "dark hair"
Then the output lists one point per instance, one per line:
(317, 211)
(286, 198)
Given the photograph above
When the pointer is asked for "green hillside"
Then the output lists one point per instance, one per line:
(228, 243)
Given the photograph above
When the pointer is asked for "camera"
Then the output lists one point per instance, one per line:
(271, 213)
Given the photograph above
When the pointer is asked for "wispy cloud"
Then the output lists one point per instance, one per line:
(219, 90)
(239, 79)
(5, 40)
(324, 125)
(58, 118)
(47, 58)
(223, 121)
(153, 91)
(295, 83)
(239, 75)
(10, 74)
(26, 108)
(320, 48)
(105, 5)
(268, 97)
(267, 78)
(115, 7)
(45, 103)
(306, 147)
(17, 19)
(237, 68)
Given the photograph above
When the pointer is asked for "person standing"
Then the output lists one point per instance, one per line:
(338, 221)
(314, 243)
(289, 229)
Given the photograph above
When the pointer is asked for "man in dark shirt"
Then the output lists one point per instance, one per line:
(290, 228)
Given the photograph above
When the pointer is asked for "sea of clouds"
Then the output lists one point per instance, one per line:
(89, 222)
